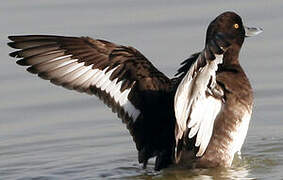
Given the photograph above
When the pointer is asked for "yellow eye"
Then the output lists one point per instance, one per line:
(236, 26)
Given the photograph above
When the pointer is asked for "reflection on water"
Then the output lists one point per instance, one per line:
(48, 132)
(242, 169)
(261, 163)
(241, 172)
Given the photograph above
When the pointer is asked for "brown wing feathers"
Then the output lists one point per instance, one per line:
(63, 59)
(77, 63)
(120, 76)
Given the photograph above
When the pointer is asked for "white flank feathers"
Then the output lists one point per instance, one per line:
(193, 109)
(239, 135)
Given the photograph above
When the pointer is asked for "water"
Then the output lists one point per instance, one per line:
(48, 132)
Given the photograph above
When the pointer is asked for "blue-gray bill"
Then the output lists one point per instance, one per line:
(252, 31)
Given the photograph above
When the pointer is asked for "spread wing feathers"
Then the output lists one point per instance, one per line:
(114, 73)
(195, 105)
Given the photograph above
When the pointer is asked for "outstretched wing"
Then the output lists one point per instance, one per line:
(116, 74)
(198, 99)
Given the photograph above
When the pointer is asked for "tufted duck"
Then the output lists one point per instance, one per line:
(200, 116)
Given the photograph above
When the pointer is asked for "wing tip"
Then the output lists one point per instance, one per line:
(32, 70)
(12, 45)
(12, 38)
(17, 37)
(15, 54)
(22, 62)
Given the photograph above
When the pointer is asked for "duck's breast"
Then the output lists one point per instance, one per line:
(231, 125)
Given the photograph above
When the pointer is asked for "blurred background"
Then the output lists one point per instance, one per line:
(48, 132)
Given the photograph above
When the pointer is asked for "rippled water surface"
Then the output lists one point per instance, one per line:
(47, 132)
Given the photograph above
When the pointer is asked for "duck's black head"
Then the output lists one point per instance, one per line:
(227, 25)
(227, 31)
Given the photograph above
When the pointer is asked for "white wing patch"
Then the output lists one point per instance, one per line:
(71, 74)
(101, 80)
(193, 108)
(204, 122)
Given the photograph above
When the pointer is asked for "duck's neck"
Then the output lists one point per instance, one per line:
(231, 56)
